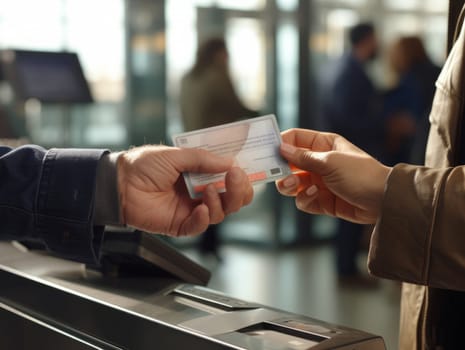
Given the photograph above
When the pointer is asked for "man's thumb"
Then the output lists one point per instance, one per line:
(202, 161)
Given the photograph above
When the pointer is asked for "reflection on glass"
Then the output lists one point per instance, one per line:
(102, 34)
(287, 5)
(287, 75)
(436, 6)
(241, 4)
(347, 2)
(397, 25)
(403, 4)
(338, 21)
(181, 45)
(435, 28)
(38, 27)
(246, 45)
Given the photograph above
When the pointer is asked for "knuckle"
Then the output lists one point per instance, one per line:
(219, 218)
(331, 157)
(300, 204)
(305, 156)
(287, 193)
(233, 209)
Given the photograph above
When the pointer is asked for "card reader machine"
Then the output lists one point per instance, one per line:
(46, 302)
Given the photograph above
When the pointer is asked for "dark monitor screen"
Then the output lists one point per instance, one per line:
(135, 253)
(50, 77)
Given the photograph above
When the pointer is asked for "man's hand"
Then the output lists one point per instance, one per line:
(336, 177)
(154, 198)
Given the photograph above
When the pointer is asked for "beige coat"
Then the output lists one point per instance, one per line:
(420, 237)
(208, 98)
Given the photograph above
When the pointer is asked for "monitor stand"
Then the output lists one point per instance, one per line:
(139, 253)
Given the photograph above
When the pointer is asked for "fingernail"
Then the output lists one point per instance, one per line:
(210, 189)
(289, 182)
(235, 174)
(287, 148)
(311, 190)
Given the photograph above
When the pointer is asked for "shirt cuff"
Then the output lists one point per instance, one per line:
(107, 209)
(65, 203)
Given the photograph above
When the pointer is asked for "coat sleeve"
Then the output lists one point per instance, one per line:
(48, 196)
(420, 236)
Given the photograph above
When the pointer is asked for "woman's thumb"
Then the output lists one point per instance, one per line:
(305, 159)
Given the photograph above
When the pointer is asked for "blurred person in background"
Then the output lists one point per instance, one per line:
(409, 102)
(5, 127)
(6, 131)
(208, 98)
(352, 107)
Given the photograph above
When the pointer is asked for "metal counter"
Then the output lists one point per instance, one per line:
(49, 303)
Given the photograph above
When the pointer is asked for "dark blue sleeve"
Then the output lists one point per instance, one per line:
(356, 103)
(352, 106)
(406, 97)
(49, 196)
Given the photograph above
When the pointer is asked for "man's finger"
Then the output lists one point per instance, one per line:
(197, 222)
(237, 185)
(213, 201)
(248, 195)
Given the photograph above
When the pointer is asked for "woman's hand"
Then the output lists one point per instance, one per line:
(333, 176)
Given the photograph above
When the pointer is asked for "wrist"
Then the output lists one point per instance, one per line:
(121, 166)
(381, 183)
(106, 208)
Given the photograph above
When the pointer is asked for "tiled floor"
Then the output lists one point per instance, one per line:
(303, 281)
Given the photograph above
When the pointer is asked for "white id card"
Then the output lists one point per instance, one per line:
(253, 143)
